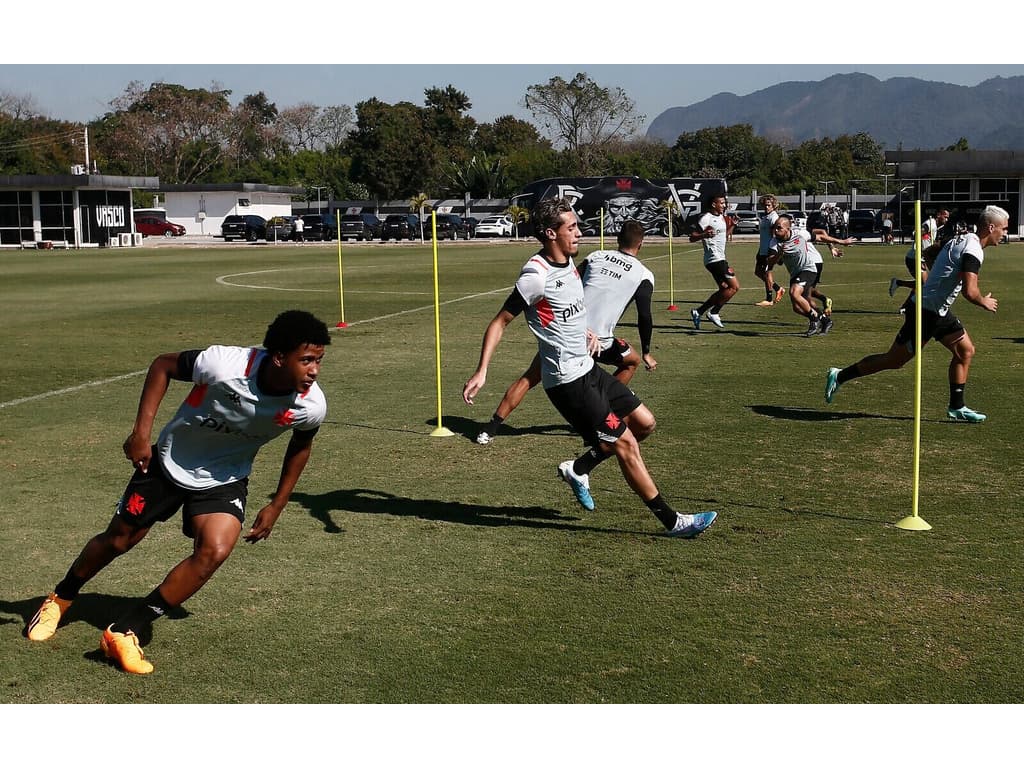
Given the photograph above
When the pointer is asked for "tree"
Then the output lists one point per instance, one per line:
(959, 146)
(482, 176)
(583, 117)
(334, 124)
(388, 148)
(518, 214)
(418, 203)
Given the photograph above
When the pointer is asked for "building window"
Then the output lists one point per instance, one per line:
(992, 189)
(15, 217)
(949, 189)
(57, 215)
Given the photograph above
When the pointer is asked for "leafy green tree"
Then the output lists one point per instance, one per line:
(481, 176)
(388, 148)
(418, 203)
(506, 135)
(518, 214)
(959, 146)
(583, 118)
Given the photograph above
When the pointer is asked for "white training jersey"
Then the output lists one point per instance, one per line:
(213, 438)
(765, 228)
(714, 247)
(557, 315)
(609, 284)
(961, 254)
(795, 254)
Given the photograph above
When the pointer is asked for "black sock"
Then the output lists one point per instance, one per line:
(775, 287)
(716, 309)
(704, 307)
(769, 293)
(148, 610)
(956, 396)
(586, 463)
(493, 424)
(69, 586)
(662, 511)
(849, 372)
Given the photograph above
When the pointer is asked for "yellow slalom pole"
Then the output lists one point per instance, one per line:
(915, 522)
(602, 228)
(671, 278)
(341, 279)
(440, 431)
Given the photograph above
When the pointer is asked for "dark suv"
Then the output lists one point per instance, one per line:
(862, 222)
(248, 227)
(319, 226)
(400, 226)
(361, 226)
(450, 226)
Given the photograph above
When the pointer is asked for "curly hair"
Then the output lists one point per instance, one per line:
(293, 328)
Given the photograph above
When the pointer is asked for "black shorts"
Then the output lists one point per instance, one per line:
(595, 405)
(721, 271)
(152, 497)
(615, 353)
(932, 327)
(806, 279)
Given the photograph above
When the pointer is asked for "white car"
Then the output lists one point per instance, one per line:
(799, 218)
(495, 226)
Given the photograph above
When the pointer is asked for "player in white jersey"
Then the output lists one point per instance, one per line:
(773, 292)
(611, 280)
(938, 233)
(241, 399)
(954, 271)
(793, 248)
(609, 417)
(710, 231)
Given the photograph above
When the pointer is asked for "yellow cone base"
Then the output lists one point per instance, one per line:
(913, 523)
(442, 432)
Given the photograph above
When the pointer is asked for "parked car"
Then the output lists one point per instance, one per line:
(746, 222)
(361, 226)
(154, 225)
(863, 222)
(319, 226)
(280, 228)
(471, 222)
(799, 218)
(450, 226)
(246, 227)
(495, 226)
(400, 226)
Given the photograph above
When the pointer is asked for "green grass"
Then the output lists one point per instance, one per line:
(411, 568)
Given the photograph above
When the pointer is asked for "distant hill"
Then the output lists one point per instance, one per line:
(902, 112)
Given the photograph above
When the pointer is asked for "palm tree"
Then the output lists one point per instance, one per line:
(671, 208)
(517, 213)
(419, 203)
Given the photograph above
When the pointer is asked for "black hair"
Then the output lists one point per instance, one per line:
(293, 328)
(631, 234)
(547, 215)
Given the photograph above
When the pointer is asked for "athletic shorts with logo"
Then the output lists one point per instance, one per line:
(806, 279)
(721, 271)
(933, 326)
(151, 497)
(615, 354)
(595, 405)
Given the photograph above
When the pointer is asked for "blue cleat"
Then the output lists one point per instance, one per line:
(831, 384)
(695, 316)
(690, 526)
(966, 414)
(580, 484)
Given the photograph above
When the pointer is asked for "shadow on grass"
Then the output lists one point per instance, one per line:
(97, 610)
(470, 428)
(1009, 339)
(815, 414)
(371, 502)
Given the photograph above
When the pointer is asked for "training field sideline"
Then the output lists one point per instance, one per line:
(412, 568)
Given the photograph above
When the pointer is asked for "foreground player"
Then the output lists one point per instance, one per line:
(955, 269)
(241, 399)
(609, 417)
(611, 280)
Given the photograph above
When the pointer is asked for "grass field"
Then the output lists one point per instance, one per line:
(411, 568)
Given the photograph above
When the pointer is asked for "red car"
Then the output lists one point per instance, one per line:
(153, 225)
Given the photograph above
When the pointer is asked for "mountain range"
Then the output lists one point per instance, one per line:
(899, 113)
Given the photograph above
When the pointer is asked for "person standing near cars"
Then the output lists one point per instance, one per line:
(300, 230)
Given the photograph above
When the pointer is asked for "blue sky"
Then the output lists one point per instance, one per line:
(83, 92)
(664, 54)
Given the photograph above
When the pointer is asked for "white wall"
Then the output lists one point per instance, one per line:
(183, 208)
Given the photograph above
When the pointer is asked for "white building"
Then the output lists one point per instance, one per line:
(201, 208)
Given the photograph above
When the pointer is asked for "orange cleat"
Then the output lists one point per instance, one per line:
(123, 647)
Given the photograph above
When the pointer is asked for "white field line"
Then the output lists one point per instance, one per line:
(224, 280)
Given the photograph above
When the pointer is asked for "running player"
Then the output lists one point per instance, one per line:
(241, 399)
(954, 270)
(611, 419)
(611, 280)
(773, 292)
(710, 231)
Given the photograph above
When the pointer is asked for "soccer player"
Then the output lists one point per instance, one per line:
(611, 280)
(241, 399)
(938, 233)
(710, 231)
(772, 291)
(793, 247)
(611, 419)
(954, 270)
